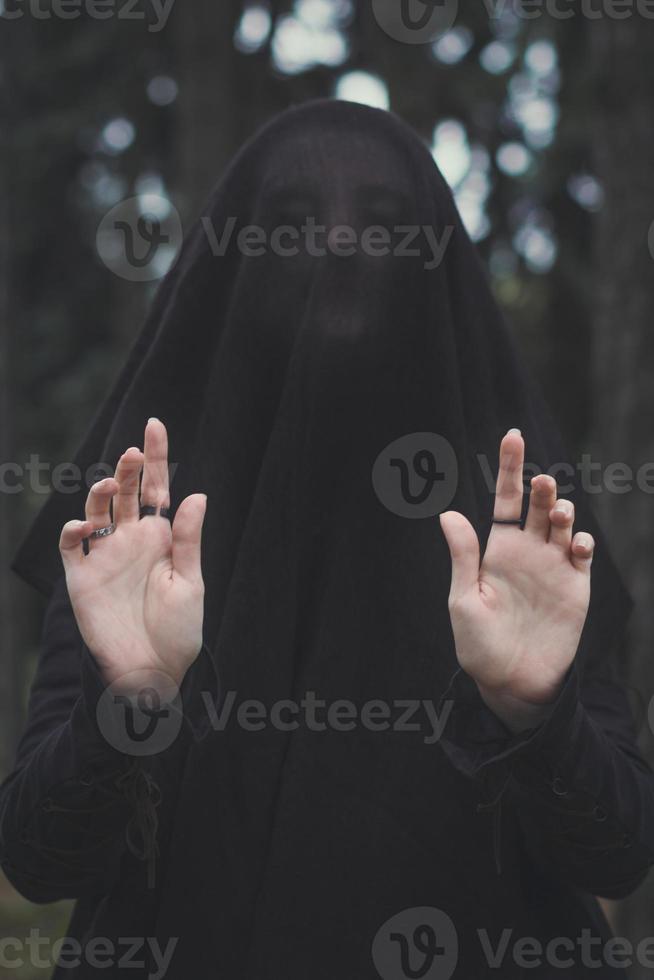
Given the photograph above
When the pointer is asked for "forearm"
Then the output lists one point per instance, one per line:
(586, 805)
(73, 806)
(64, 812)
(581, 792)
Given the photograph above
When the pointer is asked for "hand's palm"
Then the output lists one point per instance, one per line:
(138, 595)
(517, 619)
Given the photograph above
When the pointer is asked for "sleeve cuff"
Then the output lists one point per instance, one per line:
(480, 746)
(111, 728)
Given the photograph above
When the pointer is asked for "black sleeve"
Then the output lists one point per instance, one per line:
(83, 790)
(582, 793)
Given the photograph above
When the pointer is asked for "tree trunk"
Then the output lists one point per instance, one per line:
(224, 95)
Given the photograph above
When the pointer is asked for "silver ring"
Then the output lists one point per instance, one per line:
(103, 532)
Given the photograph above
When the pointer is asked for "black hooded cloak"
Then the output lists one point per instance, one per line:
(284, 371)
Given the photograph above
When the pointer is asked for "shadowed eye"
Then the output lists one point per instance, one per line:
(382, 206)
(292, 207)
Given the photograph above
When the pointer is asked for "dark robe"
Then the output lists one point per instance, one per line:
(336, 839)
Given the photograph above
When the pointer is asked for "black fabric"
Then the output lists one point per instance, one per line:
(283, 852)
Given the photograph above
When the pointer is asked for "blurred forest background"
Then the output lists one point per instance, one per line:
(543, 126)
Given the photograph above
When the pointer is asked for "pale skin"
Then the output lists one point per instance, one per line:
(138, 596)
(517, 616)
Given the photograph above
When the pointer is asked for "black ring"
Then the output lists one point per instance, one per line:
(149, 510)
(498, 520)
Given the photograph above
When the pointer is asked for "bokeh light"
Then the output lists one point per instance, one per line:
(361, 86)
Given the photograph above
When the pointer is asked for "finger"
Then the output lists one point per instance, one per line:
(562, 517)
(541, 501)
(154, 486)
(98, 502)
(128, 471)
(581, 551)
(463, 543)
(509, 490)
(70, 541)
(187, 537)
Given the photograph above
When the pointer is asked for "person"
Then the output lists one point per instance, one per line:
(337, 742)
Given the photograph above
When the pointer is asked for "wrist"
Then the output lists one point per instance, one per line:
(516, 713)
(133, 681)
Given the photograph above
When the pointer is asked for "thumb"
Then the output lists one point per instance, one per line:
(187, 537)
(70, 542)
(463, 543)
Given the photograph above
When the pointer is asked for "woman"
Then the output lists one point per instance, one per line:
(310, 816)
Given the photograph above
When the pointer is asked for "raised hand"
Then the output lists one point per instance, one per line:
(517, 618)
(138, 596)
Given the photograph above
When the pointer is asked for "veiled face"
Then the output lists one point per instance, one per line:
(335, 202)
(340, 175)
